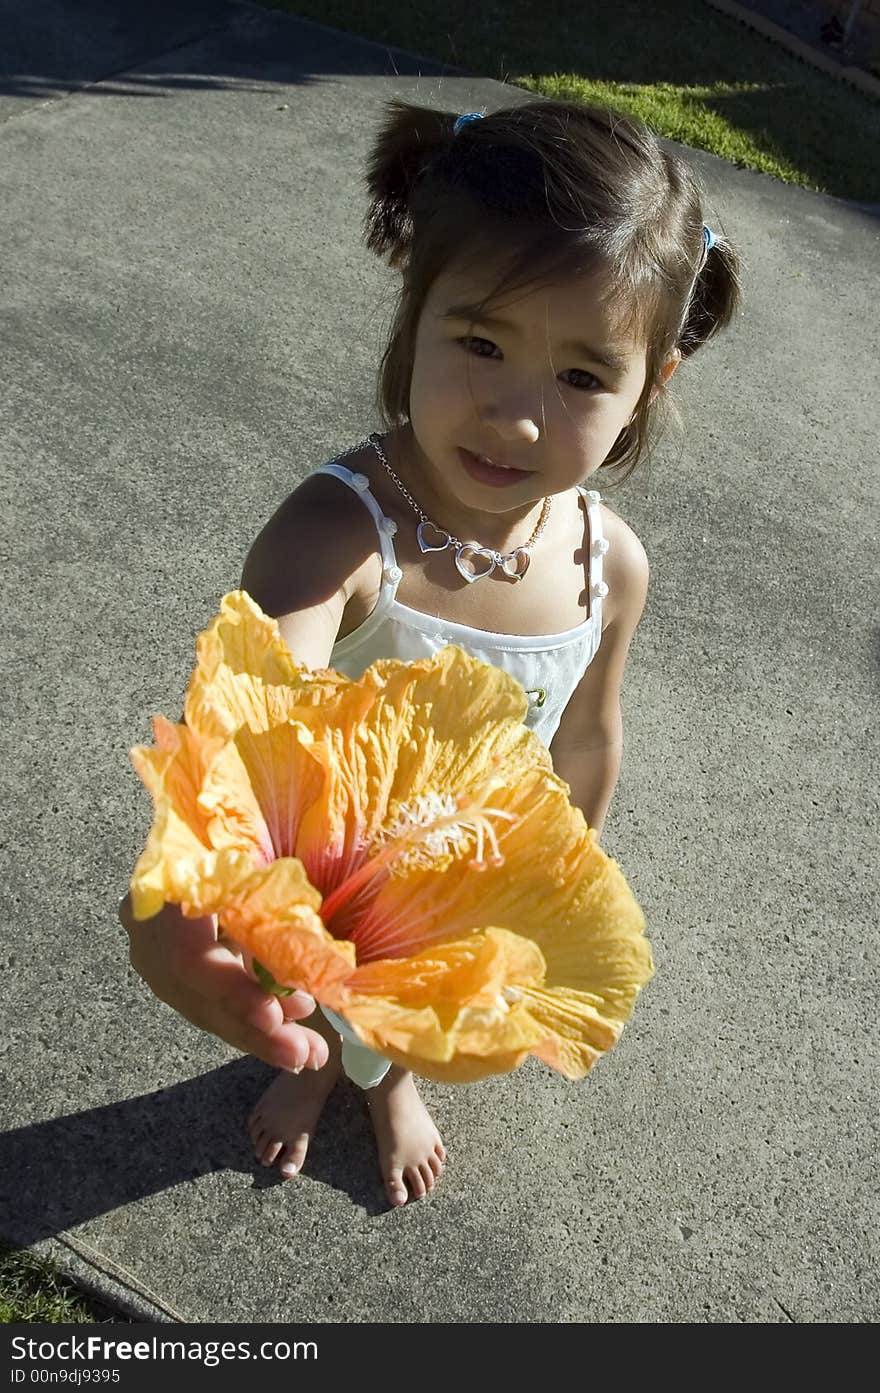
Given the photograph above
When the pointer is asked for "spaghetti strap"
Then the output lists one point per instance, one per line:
(598, 546)
(385, 527)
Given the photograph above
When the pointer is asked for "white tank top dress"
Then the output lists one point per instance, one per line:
(549, 666)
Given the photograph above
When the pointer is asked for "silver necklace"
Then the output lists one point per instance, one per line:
(471, 560)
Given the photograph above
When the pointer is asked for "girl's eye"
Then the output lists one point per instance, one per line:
(471, 340)
(590, 385)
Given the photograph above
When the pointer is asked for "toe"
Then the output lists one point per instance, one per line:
(395, 1188)
(294, 1156)
(290, 1162)
(415, 1182)
(435, 1164)
(427, 1175)
(271, 1150)
(440, 1152)
(260, 1139)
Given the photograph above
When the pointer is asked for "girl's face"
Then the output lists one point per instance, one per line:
(547, 391)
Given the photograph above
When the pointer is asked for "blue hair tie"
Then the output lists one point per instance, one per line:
(709, 236)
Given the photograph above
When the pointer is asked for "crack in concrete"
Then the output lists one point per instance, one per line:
(784, 1311)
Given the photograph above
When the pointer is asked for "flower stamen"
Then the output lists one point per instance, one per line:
(422, 831)
(454, 820)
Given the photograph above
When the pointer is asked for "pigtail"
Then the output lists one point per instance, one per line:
(409, 139)
(715, 297)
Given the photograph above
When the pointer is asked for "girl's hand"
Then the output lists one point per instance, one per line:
(181, 961)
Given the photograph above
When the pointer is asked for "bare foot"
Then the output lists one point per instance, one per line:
(282, 1123)
(410, 1150)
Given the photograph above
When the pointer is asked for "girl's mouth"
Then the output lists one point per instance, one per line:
(485, 472)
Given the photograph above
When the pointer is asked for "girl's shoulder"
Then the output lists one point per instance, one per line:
(316, 543)
(625, 568)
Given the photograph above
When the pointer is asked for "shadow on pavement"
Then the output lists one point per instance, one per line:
(62, 1172)
(57, 48)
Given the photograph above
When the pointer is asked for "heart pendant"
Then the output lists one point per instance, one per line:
(429, 537)
(474, 562)
(515, 564)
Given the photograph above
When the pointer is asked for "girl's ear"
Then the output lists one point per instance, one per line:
(666, 372)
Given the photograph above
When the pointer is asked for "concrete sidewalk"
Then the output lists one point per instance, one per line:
(189, 325)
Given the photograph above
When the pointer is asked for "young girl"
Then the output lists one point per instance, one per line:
(555, 270)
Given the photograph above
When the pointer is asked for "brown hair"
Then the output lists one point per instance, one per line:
(547, 189)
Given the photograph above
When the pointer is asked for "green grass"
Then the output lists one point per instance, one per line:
(31, 1289)
(697, 76)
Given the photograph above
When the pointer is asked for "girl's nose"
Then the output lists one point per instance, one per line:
(512, 423)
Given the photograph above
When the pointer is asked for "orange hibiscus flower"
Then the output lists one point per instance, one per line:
(399, 846)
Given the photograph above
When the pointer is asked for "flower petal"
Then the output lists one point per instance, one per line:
(246, 676)
(173, 769)
(448, 1013)
(174, 867)
(242, 706)
(472, 971)
(257, 788)
(577, 1033)
(204, 803)
(274, 916)
(236, 776)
